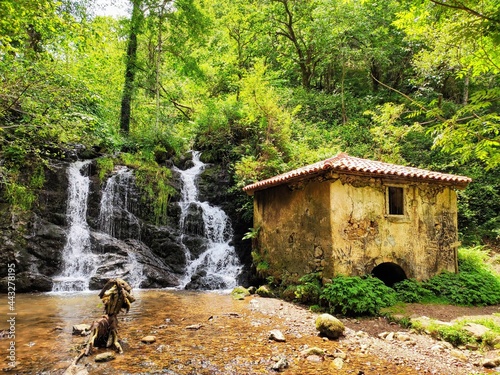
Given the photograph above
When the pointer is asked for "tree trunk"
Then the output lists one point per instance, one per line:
(130, 67)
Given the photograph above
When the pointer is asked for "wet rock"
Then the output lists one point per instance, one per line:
(276, 335)
(36, 239)
(29, 282)
(81, 329)
(105, 357)
(148, 339)
(239, 293)
(329, 326)
(204, 281)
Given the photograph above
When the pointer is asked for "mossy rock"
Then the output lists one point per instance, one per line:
(264, 291)
(239, 293)
(329, 326)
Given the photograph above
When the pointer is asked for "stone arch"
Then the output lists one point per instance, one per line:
(390, 273)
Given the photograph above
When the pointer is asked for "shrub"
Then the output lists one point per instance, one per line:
(357, 296)
(309, 289)
(454, 335)
(411, 291)
(473, 259)
(466, 288)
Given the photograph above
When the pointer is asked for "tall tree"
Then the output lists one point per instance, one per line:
(131, 65)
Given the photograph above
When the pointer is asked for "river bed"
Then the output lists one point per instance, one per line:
(196, 333)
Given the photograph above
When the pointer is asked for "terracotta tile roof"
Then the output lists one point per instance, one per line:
(352, 165)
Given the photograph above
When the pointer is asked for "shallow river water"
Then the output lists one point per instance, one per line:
(229, 337)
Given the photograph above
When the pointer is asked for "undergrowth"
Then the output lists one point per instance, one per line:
(476, 284)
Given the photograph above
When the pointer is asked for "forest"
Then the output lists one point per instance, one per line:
(259, 86)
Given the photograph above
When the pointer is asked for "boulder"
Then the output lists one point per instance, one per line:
(239, 293)
(329, 326)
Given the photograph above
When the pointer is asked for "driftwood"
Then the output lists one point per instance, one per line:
(104, 332)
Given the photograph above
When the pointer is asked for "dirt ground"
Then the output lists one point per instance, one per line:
(425, 354)
(444, 313)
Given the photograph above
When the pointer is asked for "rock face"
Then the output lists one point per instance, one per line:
(130, 246)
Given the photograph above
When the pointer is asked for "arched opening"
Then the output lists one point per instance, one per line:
(389, 273)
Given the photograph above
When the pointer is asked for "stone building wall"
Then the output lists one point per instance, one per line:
(339, 225)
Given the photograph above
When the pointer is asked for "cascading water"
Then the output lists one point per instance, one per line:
(116, 206)
(218, 266)
(117, 220)
(78, 262)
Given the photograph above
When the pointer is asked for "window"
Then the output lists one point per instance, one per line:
(395, 200)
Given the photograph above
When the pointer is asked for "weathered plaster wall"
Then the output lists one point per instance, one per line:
(294, 229)
(422, 242)
(340, 226)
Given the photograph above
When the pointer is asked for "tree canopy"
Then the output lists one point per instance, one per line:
(260, 86)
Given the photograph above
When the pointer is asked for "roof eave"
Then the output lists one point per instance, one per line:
(451, 183)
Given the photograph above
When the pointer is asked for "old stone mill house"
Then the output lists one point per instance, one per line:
(351, 216)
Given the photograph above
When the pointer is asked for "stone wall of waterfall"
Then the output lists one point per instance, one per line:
(84, 231)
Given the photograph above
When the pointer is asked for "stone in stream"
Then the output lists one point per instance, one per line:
(105, 357)
(81, 329)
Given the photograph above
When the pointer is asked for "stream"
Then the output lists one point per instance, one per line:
(229, 336)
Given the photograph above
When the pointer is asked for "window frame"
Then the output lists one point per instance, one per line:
(402, 201)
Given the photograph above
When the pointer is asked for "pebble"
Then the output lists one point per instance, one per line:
(276, 335)
(148, 339)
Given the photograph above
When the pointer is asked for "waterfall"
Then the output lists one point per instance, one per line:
(78, 262)
(115, 216)
(218, 266)
(117, 220)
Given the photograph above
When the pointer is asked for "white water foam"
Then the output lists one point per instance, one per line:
(219, 262)
(78, 262)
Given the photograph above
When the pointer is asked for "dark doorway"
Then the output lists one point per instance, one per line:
(389, 273)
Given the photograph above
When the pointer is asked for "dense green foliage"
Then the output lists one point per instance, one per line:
(260, 86)
(475, 284)
(357, 296)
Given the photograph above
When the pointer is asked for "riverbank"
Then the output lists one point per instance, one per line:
(213, 334)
